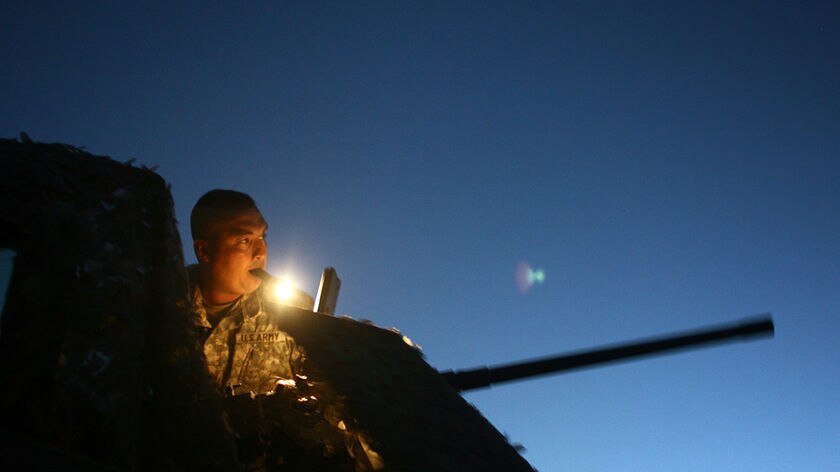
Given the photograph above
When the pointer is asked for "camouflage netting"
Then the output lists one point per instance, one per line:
(102, 371)
(389, 398)
(96, 357)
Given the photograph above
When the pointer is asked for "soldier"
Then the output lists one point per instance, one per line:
(245, 351)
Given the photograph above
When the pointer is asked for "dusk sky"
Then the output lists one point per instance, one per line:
(665, 166)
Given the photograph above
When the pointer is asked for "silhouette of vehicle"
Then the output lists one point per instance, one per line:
(101, 369)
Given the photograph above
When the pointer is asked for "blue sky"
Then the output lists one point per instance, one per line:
(667, 166)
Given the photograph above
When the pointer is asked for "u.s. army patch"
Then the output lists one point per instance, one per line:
(261, 337)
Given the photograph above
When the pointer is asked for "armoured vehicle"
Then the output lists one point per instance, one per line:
(101, 370)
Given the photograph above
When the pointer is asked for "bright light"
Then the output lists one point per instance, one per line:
(283, 290)
(287, 382)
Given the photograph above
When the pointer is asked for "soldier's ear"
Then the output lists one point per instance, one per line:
(201, 249)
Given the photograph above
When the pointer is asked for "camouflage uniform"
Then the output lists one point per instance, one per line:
(301, 426)
(246, 351)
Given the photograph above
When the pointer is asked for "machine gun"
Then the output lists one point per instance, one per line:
(463, 380)
(472, 379)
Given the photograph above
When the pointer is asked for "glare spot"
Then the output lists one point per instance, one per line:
(283, 290)
(411, 343)
(287, 382)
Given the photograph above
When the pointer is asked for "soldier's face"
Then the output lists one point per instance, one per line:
(236, 246)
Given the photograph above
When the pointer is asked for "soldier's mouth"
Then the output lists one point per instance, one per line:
(261, 274)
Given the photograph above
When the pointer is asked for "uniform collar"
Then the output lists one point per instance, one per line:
(250, 304)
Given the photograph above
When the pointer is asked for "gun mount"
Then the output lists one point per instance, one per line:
(480, 377)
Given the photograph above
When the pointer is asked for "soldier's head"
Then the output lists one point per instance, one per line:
(229, 240)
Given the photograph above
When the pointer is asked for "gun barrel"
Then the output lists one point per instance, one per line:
(463, 380)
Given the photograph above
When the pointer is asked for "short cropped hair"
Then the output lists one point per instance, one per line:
(215, 205)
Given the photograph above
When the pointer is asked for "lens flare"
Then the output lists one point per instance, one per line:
(536, 276)
(526, 276)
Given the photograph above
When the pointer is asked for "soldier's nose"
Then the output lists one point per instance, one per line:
(260, 249)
